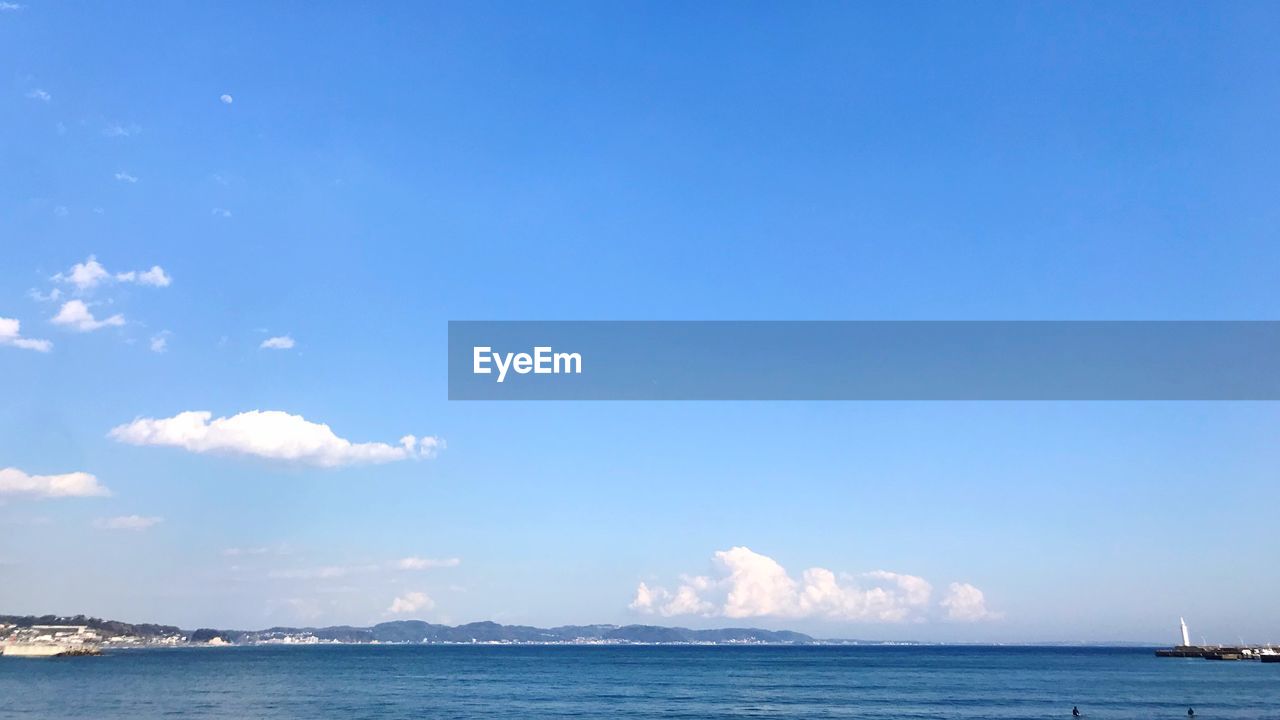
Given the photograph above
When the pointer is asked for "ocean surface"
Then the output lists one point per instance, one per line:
(473, 682)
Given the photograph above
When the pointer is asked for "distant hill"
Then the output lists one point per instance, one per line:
(107, 627)
(417, 631)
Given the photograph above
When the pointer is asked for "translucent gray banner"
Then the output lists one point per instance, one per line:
(864, 360)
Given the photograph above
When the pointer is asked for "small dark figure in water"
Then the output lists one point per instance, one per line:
(1191, 712)
(1075, 712)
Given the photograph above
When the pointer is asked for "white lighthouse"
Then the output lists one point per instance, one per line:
(1186, 637)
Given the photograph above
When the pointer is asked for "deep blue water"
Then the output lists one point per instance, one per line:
(472, 682)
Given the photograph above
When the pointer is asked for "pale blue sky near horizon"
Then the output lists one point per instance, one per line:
(383, 169)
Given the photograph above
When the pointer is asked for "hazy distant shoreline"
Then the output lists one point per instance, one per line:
(416, 632)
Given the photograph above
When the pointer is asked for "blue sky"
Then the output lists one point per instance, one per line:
(382, 170)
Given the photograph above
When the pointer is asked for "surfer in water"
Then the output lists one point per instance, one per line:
(1191, 712)
(1075, 711)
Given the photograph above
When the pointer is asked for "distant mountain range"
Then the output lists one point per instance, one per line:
(107, 627)
(417, 631)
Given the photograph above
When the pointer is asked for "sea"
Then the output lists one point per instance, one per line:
(318, 682)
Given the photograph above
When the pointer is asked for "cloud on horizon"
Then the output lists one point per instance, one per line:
(417, 563)
(281, 342)
(76, 484)
(135, 523)
(279, 549)
(326, 572)
(270, 434)
(967, 603)
(238, 552)
(411, 602)
(747, 584)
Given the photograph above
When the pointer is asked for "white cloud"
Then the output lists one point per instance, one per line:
(282, 342)
(222, 212)
(327, 572)
(52, 296)
(90, 273)
(123, 176)
(127, 522)
(280, 549)
(160, 341)
(226, 99)
(684, 601)
(411, 602)
(10, 334)
(118, 130)
(238, 552)
(915, 590)
(7, 6)
(40, 95)
(417, 563)
(77, 316)
(85, 275)
(967, 603)
(757, 584)
(648, 600)
(268, 434)
(748, 584)
(61, 210)
(155, 277)
(77, 484)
